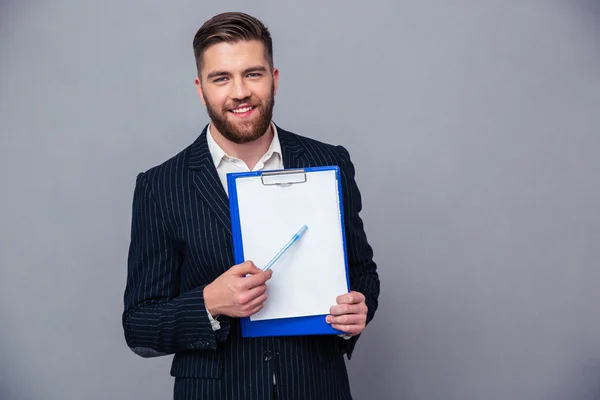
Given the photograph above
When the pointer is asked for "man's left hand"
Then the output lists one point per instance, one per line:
(350, 313)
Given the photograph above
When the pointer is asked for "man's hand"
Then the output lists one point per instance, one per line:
(235, 295)
(350, 315)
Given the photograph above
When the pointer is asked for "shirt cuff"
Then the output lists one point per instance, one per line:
(213, 322)
(345, 337)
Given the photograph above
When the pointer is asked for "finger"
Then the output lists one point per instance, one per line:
(352, 330)
(257, 280)
(349, 319)
(350, 298)
(256, 302)
(342, 309)
(245, 268)
(254, 310)
(249, 295)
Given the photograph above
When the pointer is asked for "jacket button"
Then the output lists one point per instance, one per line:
(268, 356)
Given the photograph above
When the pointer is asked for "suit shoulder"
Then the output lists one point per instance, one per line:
(165, 177)
(170, 167)
(314, 145)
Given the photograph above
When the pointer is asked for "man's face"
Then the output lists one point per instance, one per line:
(238, 88)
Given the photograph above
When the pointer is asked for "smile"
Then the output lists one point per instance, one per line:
(243, 111)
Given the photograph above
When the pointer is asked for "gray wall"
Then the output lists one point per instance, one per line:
(474, 127)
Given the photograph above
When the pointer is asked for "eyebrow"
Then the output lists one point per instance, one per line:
(256, 68)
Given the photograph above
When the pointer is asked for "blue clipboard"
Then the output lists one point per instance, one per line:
(306, 325)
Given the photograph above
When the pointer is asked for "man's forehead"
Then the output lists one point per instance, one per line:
(235, 55)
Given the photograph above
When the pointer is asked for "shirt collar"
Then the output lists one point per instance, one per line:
(217, 153)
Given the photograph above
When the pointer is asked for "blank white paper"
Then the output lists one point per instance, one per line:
(309, 277)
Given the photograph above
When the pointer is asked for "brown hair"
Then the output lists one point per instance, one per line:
(231, 27)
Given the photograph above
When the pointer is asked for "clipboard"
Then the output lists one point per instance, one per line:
(267, 208)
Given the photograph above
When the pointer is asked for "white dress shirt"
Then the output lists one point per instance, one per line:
(224, 163)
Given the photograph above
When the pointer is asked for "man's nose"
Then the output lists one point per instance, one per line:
(240, 90)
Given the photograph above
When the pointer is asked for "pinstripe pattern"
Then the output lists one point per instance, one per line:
(181, 241)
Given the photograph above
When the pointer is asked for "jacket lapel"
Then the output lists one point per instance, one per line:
(207, 182)
(291, 149)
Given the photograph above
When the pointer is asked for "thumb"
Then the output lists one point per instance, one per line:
(245, 268)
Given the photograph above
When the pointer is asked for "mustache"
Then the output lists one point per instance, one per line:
(247, 101)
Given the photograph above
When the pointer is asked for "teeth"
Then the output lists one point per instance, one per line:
(242, 110)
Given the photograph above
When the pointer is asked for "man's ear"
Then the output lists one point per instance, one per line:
(199, 89)
(275, 80)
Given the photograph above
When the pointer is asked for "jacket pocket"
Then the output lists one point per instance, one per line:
(198, 364)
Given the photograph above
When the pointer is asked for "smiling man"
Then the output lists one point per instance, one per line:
(183, 294)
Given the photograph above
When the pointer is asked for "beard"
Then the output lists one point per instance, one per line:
(242, 131)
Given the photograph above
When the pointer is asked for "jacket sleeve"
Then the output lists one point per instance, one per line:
(157, 319)
(361, 267)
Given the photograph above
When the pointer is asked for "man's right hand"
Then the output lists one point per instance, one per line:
(236, 295)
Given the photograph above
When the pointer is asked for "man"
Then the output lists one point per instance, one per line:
(183, 295)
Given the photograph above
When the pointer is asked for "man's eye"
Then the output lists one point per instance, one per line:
(254, 75)
(219, 80)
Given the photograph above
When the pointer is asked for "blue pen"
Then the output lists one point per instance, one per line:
(293, 240)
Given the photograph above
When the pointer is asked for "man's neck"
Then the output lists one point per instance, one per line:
(250, 152)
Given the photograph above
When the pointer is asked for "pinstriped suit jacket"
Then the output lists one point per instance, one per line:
(181, 241)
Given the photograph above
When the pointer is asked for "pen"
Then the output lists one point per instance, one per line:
(293, 240)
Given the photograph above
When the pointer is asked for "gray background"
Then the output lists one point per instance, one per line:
(474, 127)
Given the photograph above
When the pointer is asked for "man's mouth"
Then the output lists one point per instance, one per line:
(243, 111)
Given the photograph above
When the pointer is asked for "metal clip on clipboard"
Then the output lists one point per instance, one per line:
(283, 178)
